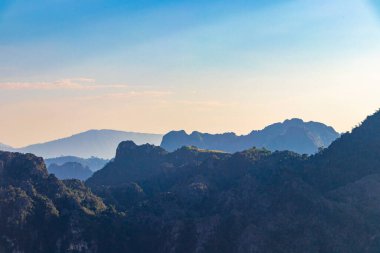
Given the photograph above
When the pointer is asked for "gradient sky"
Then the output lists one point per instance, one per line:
(153, 66)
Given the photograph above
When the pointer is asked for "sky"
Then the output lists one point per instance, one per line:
(67, 66)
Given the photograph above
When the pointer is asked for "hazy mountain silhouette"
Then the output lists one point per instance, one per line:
(93, 163)
(70, 170)
(250, 201)
(4, 147)
(293, 135)
(193, 200)
(98, 143)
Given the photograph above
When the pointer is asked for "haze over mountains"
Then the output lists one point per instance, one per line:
(70, 170)
(5, 147)
(97, 143)
(192, 200)
(293, 135)
(93, 163)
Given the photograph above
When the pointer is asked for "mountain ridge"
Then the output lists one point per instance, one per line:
(292, 134)
(194, 200)
(253, 201)
(5, 147)
(98, 143)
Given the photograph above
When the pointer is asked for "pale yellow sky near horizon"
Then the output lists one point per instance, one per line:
(315, 60)
(341, 105)
(341, 97)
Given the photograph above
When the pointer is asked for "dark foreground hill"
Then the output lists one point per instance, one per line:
(294, 135)
(39, 213)
(193, 200)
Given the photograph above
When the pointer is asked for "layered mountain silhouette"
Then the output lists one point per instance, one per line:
(194, 200)
(294, 135)
(39, 213)
(98, 143)
(5, 147)
(70, 170)
(93, 163)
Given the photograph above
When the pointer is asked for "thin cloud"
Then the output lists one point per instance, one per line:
(203, 103)
(63, 84)
(130, 94)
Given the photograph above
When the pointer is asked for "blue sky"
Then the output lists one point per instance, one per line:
(217, 66)
(75, 31)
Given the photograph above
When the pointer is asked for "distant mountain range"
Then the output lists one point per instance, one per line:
(72, 167)
(5, 147)
(70, 170)
(98, 143)
(147, 199)
(92, 163)
(293, 135)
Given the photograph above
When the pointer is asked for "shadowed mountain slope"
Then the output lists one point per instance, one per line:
(251, 201)
(39, 213)
(194, 200)
(353, 156)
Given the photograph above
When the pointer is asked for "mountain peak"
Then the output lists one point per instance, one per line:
(126, 145)
(16, 166)
(294, 121)
(5, 147)
(128, 149)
